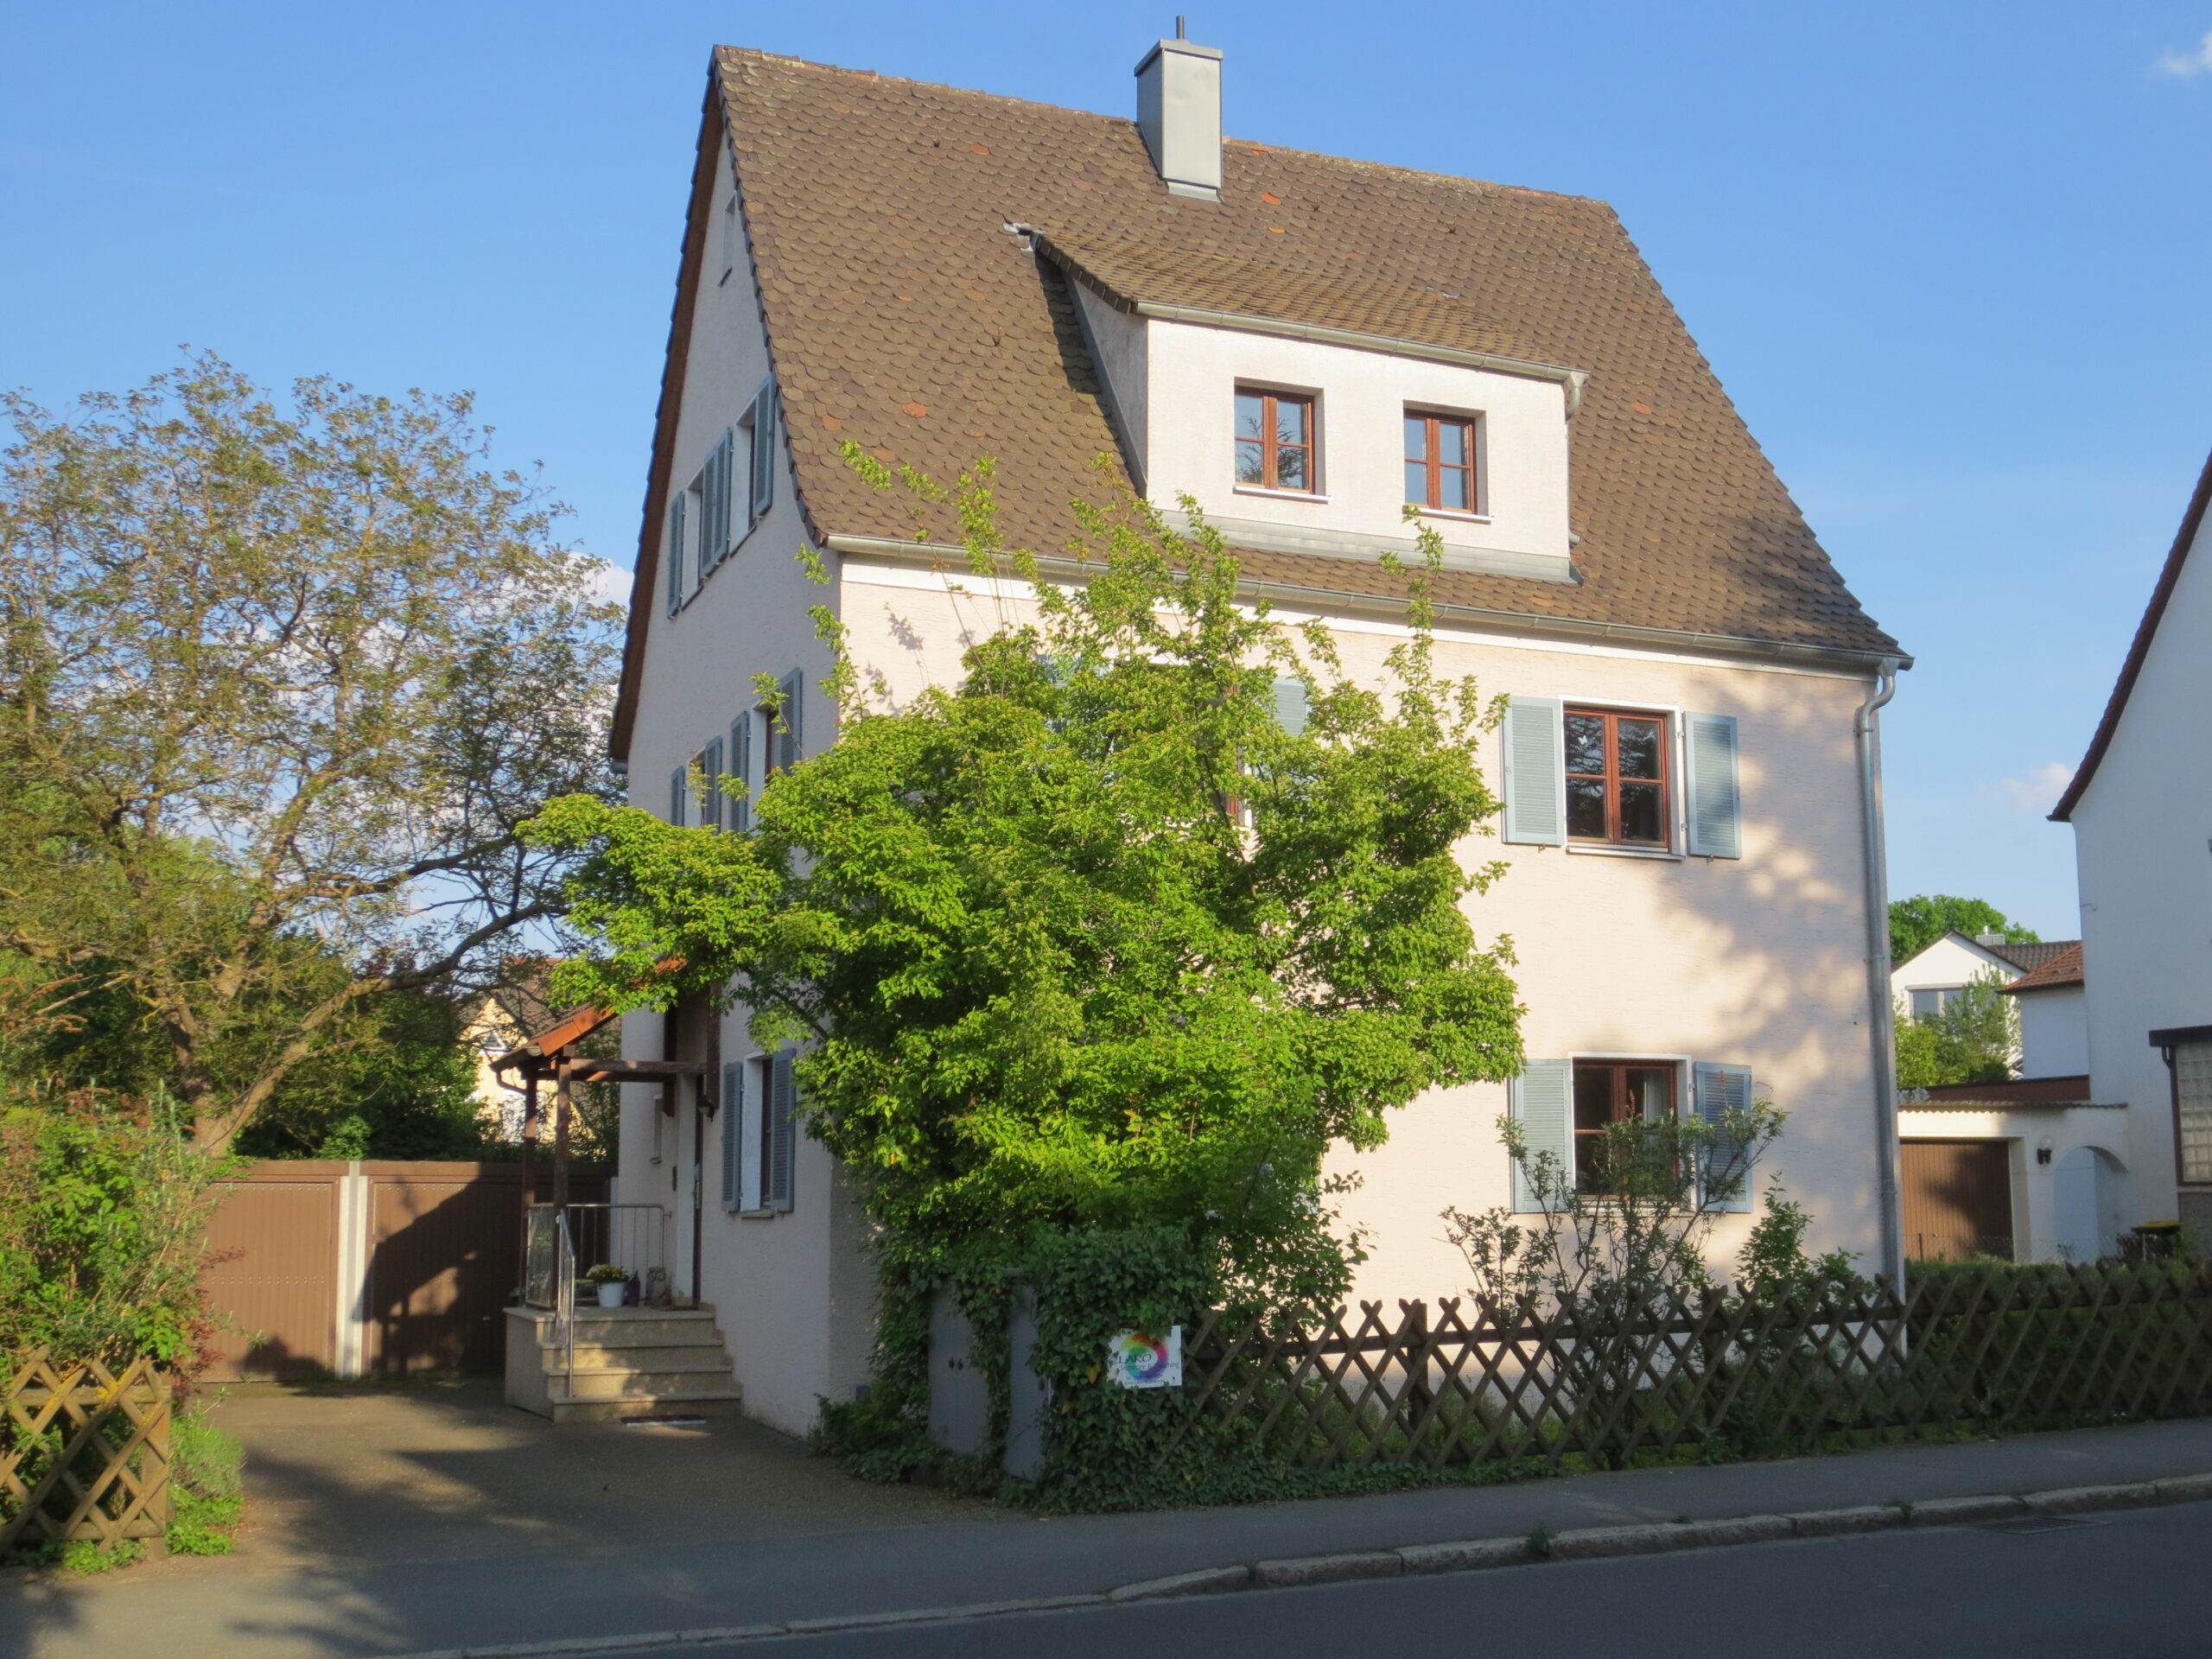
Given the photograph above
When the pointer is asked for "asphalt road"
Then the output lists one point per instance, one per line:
(2128, 1585)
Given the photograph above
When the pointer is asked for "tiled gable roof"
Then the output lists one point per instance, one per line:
(903, 313)
(2028, 957)
(2061, 967)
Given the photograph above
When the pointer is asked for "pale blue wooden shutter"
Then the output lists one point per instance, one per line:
(764, 449)
(752, 1115)
(1535, 773)
(675, 554)
(1541, 1100)
(740, 770)
(1717, 1090)
(710, 767)
(1715, 807)
(676, 782)
(783, 1126)
(1291, 706)
(732, 1117)
(792, 705)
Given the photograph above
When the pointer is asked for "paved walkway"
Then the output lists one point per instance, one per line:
(395, 1521)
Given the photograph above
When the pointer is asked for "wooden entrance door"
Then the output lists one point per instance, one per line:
(1958, 1199)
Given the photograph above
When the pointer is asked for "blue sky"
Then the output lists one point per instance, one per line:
(1949, 259)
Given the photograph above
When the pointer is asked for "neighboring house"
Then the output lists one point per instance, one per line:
(1306, 346)
(502, 1020)
(2142, 817)
(2033, 1169)
(1924, 982)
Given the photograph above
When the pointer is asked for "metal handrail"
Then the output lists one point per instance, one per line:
(564, 1304)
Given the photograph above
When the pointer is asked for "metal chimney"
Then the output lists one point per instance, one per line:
(1179, 111)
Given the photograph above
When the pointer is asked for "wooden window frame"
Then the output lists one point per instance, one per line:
(1270, 449)
(1612, 778)
(1432, 459)
(1623, 1107)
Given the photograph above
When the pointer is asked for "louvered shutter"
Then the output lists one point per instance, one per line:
(751, 1125)
(1291, 707)
(1717, 1090)
(676, 796)
(763, 467)
(710, 800)
(741, 770)
(783, 1128)
(731, 1118)
(1541, 1100)
(1535, 773)
(675, 554)
(788, 732)
(1715, 806)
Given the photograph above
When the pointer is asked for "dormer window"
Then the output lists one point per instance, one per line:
(1274, 441)
(1441, 472)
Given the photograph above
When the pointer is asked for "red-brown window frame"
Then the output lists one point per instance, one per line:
(1269, 448)
(1433, 460)
(1623, 1108)
(1612, 775)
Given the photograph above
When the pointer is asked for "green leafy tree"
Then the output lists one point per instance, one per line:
(1095, 941)
(277, 687)
(1918, 922)
(1972, 1039)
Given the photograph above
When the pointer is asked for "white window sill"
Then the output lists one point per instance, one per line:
(1455, 515)
(759, 1214)
(1664, 854)
(1282, 495)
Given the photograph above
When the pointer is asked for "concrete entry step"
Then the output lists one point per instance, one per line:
(624, 1384)
(702, 1402)
(654, 1357)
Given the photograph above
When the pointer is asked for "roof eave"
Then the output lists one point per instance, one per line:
(2139, 649)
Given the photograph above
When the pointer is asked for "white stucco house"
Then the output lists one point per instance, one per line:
(2143, 857)
(1305, 345)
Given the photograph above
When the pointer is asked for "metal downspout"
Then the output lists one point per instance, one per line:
(1868, 727)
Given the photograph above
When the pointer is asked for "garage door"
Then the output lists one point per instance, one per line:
(1958, 1199)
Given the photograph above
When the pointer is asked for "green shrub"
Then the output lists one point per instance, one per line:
(205, 1484)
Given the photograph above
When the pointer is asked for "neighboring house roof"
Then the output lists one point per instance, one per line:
(2131, 667)
(2018, 1091)
(903, 313)
(2058, 972)
(2030, 958)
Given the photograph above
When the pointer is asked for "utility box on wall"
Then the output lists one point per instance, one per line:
(960, 1393)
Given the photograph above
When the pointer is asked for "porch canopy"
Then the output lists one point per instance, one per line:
(552, 1054)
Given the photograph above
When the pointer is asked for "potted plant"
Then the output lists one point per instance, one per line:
(610, 1281)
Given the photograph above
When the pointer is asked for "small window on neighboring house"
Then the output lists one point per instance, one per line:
(1929, 1000)
(1441, 462)
(1617, 778)
(1607, 1092)
(1274, 441)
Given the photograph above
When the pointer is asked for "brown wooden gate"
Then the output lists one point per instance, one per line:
(327, 1269)
(1958, 1199)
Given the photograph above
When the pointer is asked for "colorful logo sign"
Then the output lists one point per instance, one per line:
(1137, 1359)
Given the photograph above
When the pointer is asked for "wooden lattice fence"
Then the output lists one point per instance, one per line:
(1728, 1373)
(84, 1453)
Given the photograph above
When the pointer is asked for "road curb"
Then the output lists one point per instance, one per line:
(1469, 1555)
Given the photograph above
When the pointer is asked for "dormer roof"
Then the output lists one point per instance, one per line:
(914, 246)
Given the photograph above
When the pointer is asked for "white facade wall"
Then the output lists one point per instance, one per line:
(1756, 961)
(2143, 850)
(787, 1289)
(2053, 1033)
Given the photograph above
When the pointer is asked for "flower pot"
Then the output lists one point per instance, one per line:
(610, 1295)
